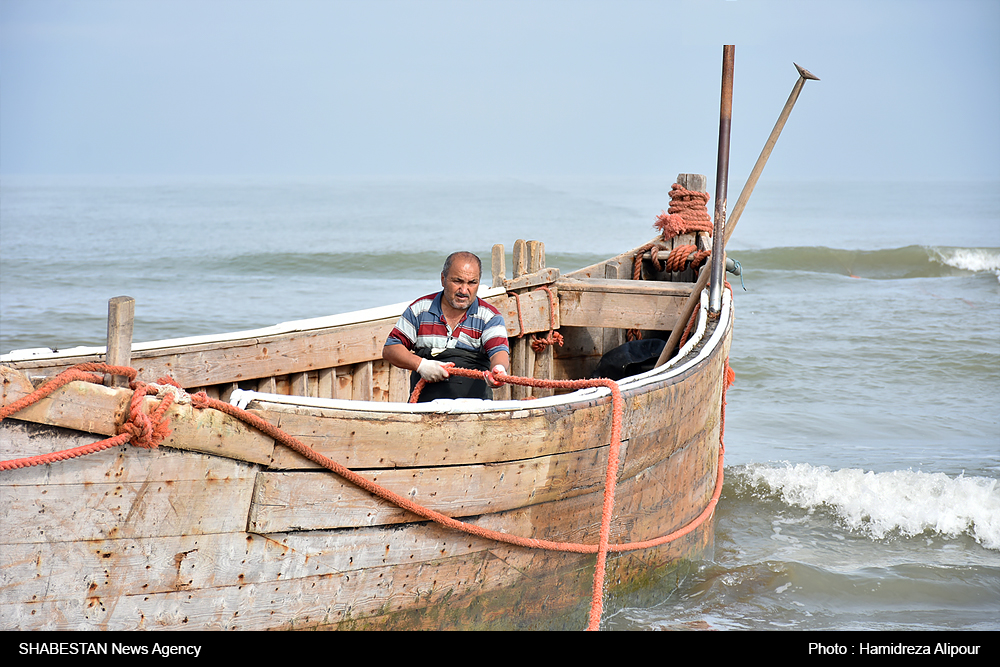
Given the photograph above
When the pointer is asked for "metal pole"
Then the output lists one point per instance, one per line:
(721, 182)
(741, 203)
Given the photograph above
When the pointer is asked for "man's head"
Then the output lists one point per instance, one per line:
(460, 279)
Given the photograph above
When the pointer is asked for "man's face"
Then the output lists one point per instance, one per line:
(461, 284)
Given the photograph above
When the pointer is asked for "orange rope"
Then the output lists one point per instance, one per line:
(538, 344)
(201, 400)
(142, 430)
(687, 213)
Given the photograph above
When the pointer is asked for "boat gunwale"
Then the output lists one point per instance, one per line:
(673, 370)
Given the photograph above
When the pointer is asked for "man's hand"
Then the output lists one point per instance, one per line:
(433, 371)
(498, 371)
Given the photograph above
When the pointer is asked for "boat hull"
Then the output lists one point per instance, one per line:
(185, 537)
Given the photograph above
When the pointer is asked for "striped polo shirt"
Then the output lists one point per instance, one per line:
(423, 325)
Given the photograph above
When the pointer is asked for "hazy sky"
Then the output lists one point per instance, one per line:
(910, 88)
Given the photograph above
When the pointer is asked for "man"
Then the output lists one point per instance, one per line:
(451, 328)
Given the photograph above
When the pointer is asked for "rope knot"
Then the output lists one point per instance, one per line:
(147, 431)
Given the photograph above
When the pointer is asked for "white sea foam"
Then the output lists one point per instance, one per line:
(978, 260)
(879, 504)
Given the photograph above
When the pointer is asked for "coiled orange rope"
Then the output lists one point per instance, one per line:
(687, 213)
(158, 431)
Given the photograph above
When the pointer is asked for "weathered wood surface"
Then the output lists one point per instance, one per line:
(364, 440)
(93, 408)
(292, 501)
(118, 492)
(447, 478)
(121, 315)
(621, 304)
(237, 580)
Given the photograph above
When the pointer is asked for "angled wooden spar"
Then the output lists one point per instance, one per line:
(741, 203)
(758, 167)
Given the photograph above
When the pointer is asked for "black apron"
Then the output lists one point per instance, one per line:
(455, 386)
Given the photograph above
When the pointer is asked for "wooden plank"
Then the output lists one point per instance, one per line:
(300, 384)
(345, 382)
(625, 287)
(292, 501)
(83, 406)
(619, 310)
(380, 380)
(536, 256)
(162, 492)
(325, 383)
(217, 581)
(541, 277)
(93, 408)
(541, 367)
(166, 564)
(361, 384)
(236, 361)
(390, 440)
(534, 311)
(399, 385)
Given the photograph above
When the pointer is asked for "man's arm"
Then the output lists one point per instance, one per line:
(502, 358)
(399, 356)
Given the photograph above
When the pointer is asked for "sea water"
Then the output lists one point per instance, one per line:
(862, 433)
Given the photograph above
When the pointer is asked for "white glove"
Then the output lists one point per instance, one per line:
(433, 371)
(497, 371)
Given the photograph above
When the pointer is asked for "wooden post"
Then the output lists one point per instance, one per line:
(520, 362)
(542, 362)
(121, 314)
(694, 183)
(612, 338)
(498, 265)
(520, 258)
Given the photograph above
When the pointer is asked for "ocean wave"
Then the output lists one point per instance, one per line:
(977, 260)
(913, 261)
(388, 264)
(880, 505)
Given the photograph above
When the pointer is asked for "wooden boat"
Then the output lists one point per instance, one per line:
(221, 527)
